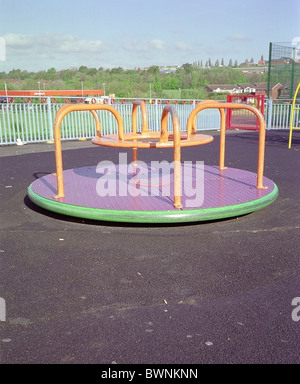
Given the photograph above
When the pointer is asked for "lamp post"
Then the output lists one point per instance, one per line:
(6, 93)
(39, 89)
(104, 88)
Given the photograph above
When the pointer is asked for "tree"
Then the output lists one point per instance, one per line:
(92, 71)
(83, 69)
(171, 82)
(117, 70)
(154, 70)
(66, 75)
(51, 74)
(157, 86)
(15, 74)
(187, 67)
(128, 83)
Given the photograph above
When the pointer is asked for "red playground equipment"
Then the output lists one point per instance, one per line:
(242, 118)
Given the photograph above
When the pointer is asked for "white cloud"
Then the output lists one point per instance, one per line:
(49, 44)
(46, 50)
(135, 47)
(182, 46)
(157, 44)
(238, 37)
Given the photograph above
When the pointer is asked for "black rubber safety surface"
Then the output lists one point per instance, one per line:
(213, 292)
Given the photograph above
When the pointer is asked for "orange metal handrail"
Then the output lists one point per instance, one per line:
(222, 106)
(136, 104)
(177, 149)
(192, 127)
(141, 104)
(191, 137)
(62, 112)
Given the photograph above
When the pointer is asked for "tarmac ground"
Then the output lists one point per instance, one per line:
(84, 292)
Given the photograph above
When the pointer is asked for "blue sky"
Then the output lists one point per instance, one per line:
(41, 34)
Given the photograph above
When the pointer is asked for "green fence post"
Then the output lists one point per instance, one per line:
(293, 74)
(269, 70)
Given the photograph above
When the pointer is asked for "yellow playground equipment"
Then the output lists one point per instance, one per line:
(292, 122)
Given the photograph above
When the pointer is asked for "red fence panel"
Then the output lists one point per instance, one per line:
(243, 119)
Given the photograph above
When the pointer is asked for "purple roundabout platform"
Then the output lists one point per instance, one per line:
(118, 195)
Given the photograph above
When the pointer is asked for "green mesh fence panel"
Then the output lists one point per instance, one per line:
(284, 68)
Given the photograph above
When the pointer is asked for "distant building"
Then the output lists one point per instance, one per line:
(277, 91)
(262, 62)
(224, 88)
(168, 69)
(165, 68)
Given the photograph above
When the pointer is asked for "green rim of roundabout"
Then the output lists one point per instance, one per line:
(154, 217)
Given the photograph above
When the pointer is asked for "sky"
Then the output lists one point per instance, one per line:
(38, 35)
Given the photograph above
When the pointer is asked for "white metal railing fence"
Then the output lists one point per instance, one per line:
(277, 114)
(33, 122)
